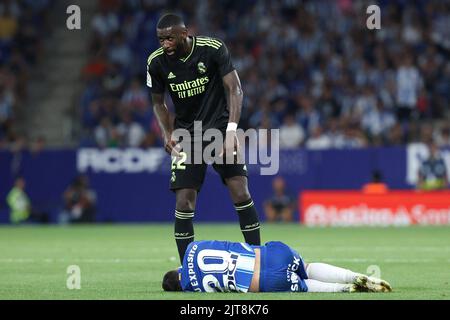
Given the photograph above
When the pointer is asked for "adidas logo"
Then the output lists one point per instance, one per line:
(171, 76)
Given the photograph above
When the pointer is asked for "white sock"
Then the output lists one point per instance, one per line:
(318, 286)
(328, 273)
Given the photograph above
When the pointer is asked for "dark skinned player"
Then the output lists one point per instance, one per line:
(204, 86)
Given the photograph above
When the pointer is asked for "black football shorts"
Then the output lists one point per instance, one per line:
(186, 175)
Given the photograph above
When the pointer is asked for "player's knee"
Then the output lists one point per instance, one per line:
(185, 205)
(238, 189)
(241, 196)
(186, 201)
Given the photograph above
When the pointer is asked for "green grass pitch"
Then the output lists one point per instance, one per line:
(128, 261)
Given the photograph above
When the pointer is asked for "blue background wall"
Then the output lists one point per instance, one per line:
(145, 196)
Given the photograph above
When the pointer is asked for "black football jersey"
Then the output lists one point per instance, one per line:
(194, 83)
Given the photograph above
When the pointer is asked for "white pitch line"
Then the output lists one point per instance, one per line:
(49, 260)
(373, 260)
(170, 259)
(374, 248)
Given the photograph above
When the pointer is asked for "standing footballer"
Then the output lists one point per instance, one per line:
(204, 86)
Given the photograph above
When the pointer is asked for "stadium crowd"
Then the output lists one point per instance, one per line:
(23, 25)
(310, 68)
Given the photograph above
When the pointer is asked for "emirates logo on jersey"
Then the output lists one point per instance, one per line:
(188, 89)
(201, 67)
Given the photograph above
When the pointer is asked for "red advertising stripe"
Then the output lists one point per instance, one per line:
(391, 208)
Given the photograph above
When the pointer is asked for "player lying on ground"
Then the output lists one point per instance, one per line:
(223, 266)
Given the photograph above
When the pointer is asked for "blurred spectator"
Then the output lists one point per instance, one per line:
(136, 100)
(20, 206)
(327, 104)
(395, 135)
(96, 67)
(106, 135)
(318, 140)
(130, 132)
(365, 104)
(105, 22)
(442, 136)
(119, 51)
(334, 133)
(8, 25)
(79, 202)
(6, 109)
(18, 202)
(378, 121)
(308, 117)
(433, 172)
(280, 207)
(353, 137)
(409, 83)
(291, 133)
(114, 81)
(376, 186)
(426, 133)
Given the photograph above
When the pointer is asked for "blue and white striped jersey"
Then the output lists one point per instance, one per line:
(217, 266)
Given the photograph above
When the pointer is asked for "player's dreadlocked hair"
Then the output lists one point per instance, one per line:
(171, 281)
(169, 20)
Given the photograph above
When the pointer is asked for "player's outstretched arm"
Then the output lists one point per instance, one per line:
(163, 117)
(234, 95)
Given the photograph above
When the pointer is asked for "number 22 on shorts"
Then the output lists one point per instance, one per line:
(178, 162)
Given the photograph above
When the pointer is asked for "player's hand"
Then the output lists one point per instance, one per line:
(230, 147)
(171, 147)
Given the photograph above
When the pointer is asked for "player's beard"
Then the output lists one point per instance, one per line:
(180, 51)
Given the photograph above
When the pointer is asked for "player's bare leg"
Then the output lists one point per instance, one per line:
(243, 203)
(184, 213)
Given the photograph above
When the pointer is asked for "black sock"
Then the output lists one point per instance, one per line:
(184, 231)
(248, 219)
